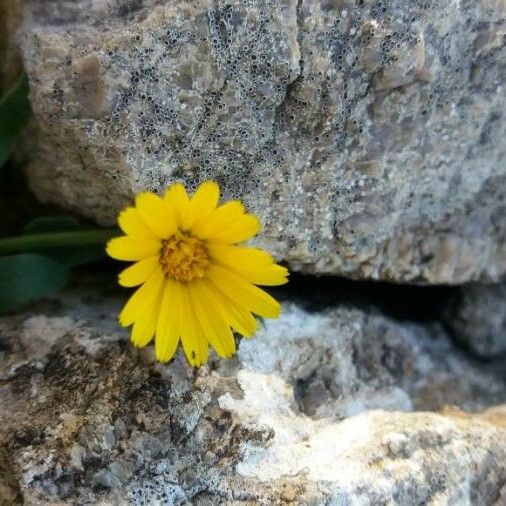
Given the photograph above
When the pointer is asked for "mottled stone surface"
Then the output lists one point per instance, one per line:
(477, 316)
(369, 136)
(10, 57)
(341, 406)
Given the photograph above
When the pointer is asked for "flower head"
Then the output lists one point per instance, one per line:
(196, 281)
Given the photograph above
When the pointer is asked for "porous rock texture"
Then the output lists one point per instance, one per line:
(342, 406)
(477, 317)
(368, 135)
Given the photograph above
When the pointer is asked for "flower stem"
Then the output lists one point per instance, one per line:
(55, 239)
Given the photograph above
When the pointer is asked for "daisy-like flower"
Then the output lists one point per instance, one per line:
(196, 281)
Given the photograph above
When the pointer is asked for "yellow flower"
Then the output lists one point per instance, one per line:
(196, 283)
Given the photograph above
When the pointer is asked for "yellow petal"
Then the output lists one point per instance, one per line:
(177, 198)
(240, 319)
(142, 299)
(254, 265)
(242, 292)
(203, 203)
(169, 321)
(131, 223)
(220, 218)
(139, 272)
(144, 328)
(211, 319)
(244, 228)
(132, 248)
(192, 335)
(157, 214)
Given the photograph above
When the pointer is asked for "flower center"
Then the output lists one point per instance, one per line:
(183, 257)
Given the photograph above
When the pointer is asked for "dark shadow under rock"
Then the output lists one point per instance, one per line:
(476, 315)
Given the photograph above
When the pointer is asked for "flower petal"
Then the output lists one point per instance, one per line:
(243, 292)
(246, 227)
(131, 222)
(192, 336)
(142, 299)
(139, 272)
(177, 198)
(203, 203)
(144, 328)
(240, 319)
(210, 316)
(220, 218)
(132, 248)
(254, 265)
(157, 214)
(168, 329)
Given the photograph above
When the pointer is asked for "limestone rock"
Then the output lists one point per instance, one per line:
(341, 406)
(369, 136)
(477, 316)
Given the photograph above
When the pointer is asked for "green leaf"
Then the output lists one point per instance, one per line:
(75, 256)
(70, 256)
(14, 113)
(70, 247)
(27, 277)
(51, 224)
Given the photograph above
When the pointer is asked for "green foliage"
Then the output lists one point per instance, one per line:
(14, 113)
(71, 255)
(26, 277)
(51, 224)
(55, 245)
(38, 262)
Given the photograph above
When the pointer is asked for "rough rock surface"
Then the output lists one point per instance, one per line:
(368, 135)
(10, 57)
(331, 407)
(477, 316)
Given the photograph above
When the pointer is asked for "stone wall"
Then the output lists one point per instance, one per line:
(368, 136)
(342, 405)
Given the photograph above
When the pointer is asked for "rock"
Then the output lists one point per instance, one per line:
(368, 136)
(10, 57)
(342, 406)
(477, 317)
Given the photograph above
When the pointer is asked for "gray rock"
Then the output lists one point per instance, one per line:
(368, 136)
(477, 317)
(335, 407)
